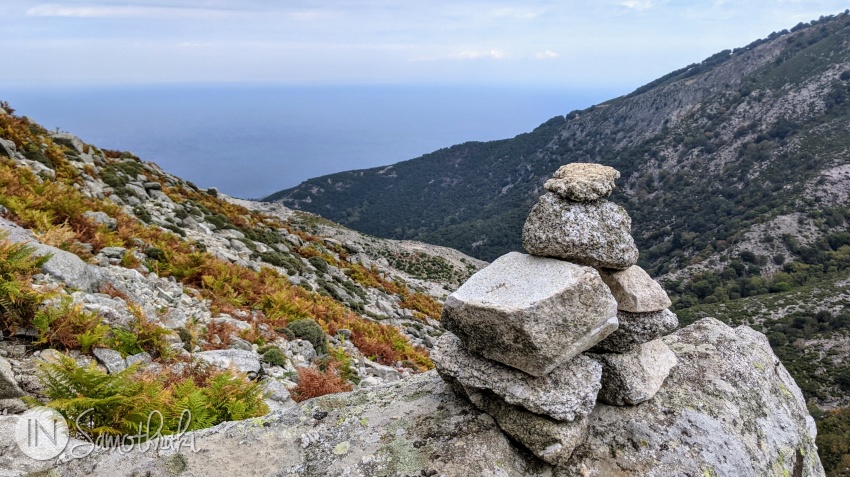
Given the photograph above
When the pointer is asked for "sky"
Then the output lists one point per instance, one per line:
(564, 43)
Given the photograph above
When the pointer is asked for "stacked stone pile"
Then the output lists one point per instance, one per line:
(537, 340)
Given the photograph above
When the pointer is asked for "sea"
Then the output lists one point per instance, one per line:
(251, 140)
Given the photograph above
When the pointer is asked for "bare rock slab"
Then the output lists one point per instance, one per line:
(595, 233)
(583, 182)
(637, 328)
(8, 385)
(550, 440)
(635, 377)
(531, 313)
(567, 393)
(635, 291)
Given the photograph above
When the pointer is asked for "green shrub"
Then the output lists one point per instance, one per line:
(116, 405)
(275, 357)
(308, 329)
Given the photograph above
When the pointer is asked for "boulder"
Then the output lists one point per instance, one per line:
(635, 291)
(531, 313)
(8, 385)
(637, 328)
(64, 266)
(634, 377)
(69, 140)
(566, 393)
(7, 148)
(583, 182)
(240, 360)
(101, 218)
(728, 408)
(111, 359)
(550, 440)
(594, 233)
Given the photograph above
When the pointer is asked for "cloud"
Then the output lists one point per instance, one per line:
(546, 55)
(491, 54)
(638, 5)
(130, 11)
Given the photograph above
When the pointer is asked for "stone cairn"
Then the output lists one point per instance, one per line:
(535, 341)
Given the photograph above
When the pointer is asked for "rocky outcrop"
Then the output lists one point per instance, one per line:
(729, 408)
(9, 388)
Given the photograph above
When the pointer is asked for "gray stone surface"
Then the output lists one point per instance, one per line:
(594, 233)
(64, 266)
(637, 328)
(68, 139)
(583, 182)
(634, 377)
(110, 359)
(243, 361)
(550, 440)
(568, 392)
(531, 313)
(635, 291)
(8, 385)
(101, 218)
(7, 148)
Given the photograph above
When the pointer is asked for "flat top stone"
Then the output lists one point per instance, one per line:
(583, 182)
(531, 279)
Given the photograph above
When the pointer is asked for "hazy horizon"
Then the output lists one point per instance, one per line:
(252, 140)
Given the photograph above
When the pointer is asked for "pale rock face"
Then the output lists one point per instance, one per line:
(567, 393)
(595, 233)
(637, 328)
(241, 360)
(8, 386)
(583, 182)
(635, 377)
(531, 313)
(635, 291)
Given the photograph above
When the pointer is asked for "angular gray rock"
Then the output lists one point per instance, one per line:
(550, 440)
(634, 377)
(7, 148)
(8, 386)
(531, 313)
(594, 233)
(566, 393)
(68, 139)
(583, 182)
(101, 218)
(243, 361)
(635, 291)
(64, 266)
(637, 328)
(110, 359)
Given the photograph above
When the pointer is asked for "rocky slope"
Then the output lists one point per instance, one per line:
(142, 267)
(735, 171)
